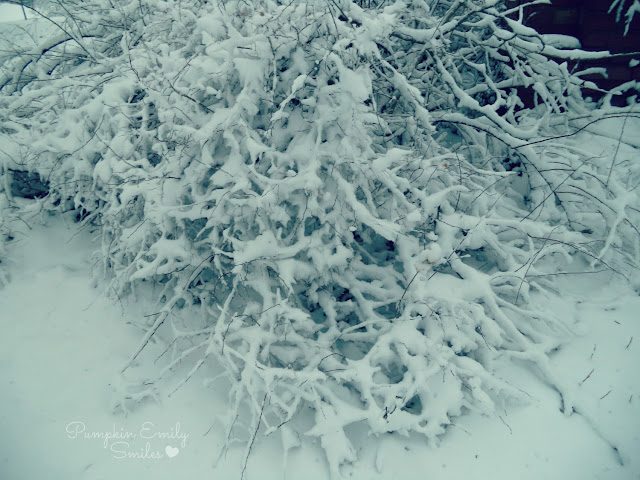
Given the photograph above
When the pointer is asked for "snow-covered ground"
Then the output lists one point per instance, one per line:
(13, 13)
(63, 342)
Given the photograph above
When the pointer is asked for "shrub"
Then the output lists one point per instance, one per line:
(353, 193)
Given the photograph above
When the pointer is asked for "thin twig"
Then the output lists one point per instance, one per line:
(615, 155)
(587, 377)
(255, 433)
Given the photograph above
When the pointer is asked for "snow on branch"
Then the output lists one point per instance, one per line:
(628, 10)
(358, 198)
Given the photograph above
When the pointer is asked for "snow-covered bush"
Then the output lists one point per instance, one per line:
(358, 196)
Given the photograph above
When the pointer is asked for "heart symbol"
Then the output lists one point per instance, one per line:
(171, 451)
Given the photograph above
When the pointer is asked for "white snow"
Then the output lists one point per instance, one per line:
(13, 13)
(561, 41)
(63, 341)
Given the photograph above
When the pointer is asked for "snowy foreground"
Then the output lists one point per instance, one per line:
(63, 343)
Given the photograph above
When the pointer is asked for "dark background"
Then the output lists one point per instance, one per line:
(591, 23)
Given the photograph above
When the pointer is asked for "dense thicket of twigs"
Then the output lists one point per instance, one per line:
(359, 196)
